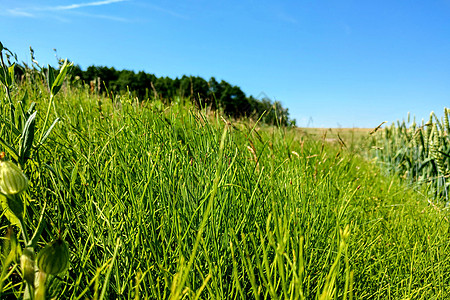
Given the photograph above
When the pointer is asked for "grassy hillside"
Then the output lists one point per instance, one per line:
(170, 202)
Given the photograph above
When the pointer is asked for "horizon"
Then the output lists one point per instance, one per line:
(341, 64)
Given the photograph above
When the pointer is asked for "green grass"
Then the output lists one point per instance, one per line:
(172, 202)
(420, 153)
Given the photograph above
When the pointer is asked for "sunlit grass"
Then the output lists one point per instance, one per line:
(168, 202)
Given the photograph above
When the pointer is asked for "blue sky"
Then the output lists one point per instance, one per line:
(339, 63)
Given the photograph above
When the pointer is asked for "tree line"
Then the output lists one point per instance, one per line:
(230, 98)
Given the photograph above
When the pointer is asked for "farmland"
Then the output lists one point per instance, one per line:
(174, 201)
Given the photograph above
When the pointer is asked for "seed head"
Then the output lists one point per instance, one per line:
(12, 179)
(54, 258)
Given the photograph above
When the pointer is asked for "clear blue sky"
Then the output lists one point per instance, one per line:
(341, 63)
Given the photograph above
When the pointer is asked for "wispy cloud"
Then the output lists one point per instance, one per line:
(286, 18)
(19, 13)
(79, 5)
(106, 17)
(347, 29)
(32, 12)
(167, 11)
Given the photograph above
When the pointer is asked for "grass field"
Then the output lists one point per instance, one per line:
(174, 202)
(353, 139)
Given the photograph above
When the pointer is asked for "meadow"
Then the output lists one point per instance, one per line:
(173, 201)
